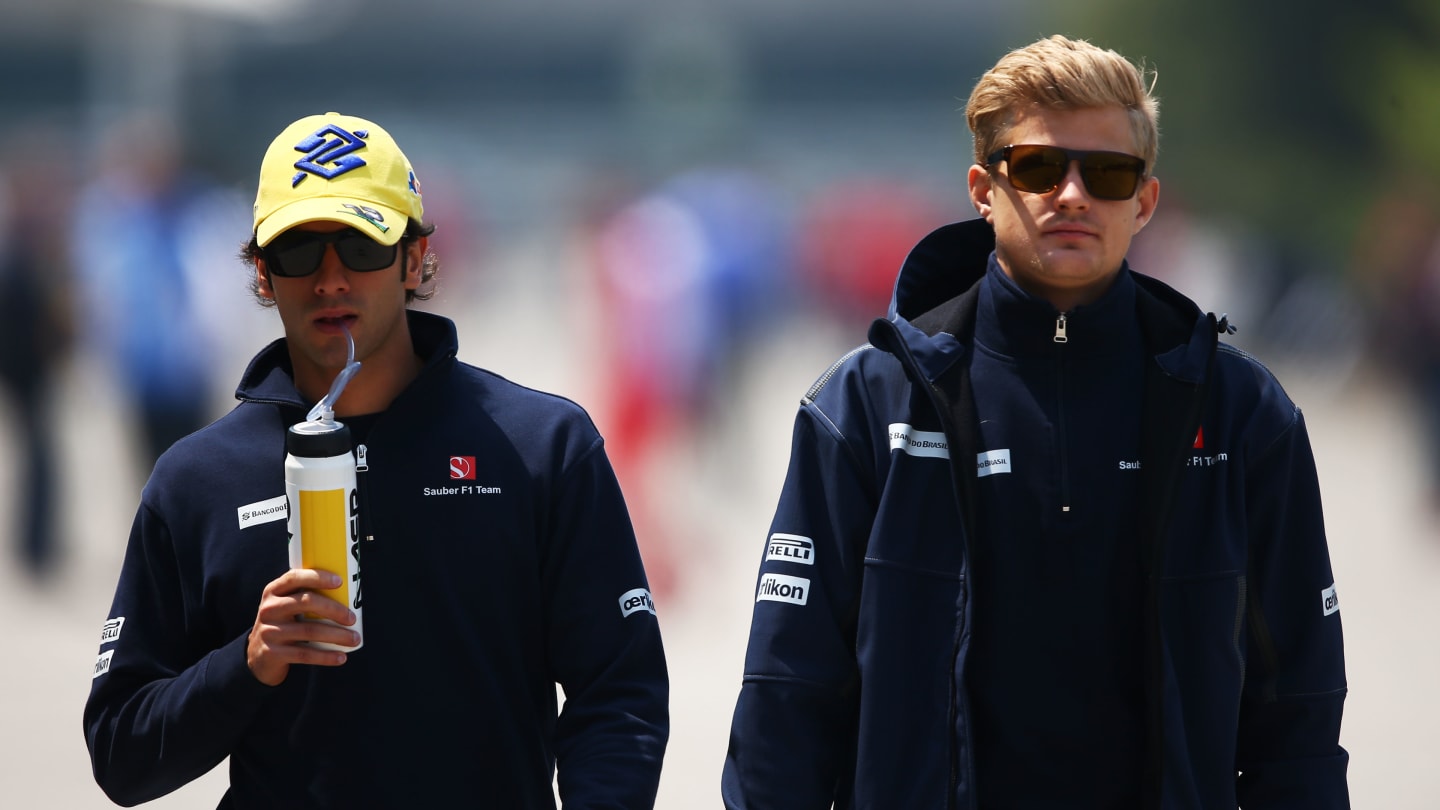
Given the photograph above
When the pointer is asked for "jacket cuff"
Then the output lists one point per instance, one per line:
(229, 680)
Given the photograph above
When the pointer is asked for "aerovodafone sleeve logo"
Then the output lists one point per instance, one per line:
(636, 600)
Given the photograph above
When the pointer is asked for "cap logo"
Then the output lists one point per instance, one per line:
(329, 157)
(368, 214)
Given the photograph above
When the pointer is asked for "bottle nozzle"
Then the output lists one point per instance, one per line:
(324, 410)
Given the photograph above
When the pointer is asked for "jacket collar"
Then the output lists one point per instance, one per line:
(271, 378)
(933, 308)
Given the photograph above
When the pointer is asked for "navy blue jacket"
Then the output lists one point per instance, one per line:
(854, 691)
(479, 597)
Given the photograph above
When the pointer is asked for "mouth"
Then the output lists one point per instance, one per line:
(335, 324)
(1070, 231)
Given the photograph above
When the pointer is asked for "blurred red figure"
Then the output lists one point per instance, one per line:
(686, 273)
(853, 237)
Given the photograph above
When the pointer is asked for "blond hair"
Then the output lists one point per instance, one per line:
(1064, 74)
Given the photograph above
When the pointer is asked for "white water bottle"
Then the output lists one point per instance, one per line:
(324, 511)
(324, 500)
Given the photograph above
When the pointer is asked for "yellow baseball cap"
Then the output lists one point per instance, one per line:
(336, 168)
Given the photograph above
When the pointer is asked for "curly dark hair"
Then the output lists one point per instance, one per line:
(429, 265)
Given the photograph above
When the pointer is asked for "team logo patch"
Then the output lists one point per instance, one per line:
(267, 511)
(111, 631)
(462, 468)
(992, 462)
(926, 443)
(102, 664)
(780, 588)
(1329, 602)
(790, 548)
(636, 600)
(329, 153)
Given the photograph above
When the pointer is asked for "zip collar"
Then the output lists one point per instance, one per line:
(932, 311)
(270, 378)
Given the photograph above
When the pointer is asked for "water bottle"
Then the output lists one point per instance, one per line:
(323, 499)
(324, 517)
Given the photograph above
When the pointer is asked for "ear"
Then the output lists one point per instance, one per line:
(982, 186)
(1147, 198)
(415, 261)
(262, 280)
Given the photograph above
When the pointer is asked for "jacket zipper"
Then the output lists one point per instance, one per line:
(362, 465)
(1062, 337)
(819, 384)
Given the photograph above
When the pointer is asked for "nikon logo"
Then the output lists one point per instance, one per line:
(102, 664)
(780, 588)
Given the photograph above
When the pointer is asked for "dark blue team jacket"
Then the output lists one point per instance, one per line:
(480, 594)
(854, 689)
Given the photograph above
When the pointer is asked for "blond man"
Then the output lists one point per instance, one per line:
(1045, 541)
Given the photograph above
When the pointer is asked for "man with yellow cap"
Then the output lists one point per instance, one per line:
(497, 556)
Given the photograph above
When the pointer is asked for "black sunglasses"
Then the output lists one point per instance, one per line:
(294, 254)
(1041, 169)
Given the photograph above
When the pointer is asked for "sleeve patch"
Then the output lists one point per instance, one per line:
(1329, 602)
(102, 663)
(111, 631)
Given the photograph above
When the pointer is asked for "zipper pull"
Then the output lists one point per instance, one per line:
(1060, 327)
(360, 465)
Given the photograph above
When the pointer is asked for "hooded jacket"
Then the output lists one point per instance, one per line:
(497, 560)
(854, 690)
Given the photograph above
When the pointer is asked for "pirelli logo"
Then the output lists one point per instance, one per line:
(111, 631)
(782, 588)
(790, 548)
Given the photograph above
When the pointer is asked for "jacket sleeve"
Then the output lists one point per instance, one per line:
(1289, 754)
(163, 708)
(604, 644)
(792, 737)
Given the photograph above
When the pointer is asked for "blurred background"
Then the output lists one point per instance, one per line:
(678, 214)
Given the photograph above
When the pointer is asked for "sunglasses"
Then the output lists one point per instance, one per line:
(294, 254)
(1041, 169)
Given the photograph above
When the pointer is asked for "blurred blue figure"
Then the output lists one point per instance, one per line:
(35, 326)
(142, 313)
(688, 274)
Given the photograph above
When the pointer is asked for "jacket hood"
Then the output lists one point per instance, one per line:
(271, 378)
(941, 266)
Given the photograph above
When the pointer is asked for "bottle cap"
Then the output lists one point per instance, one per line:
(319, 438)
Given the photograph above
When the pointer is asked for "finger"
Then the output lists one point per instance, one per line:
(283, 640)
(303, 653)
(311, 605)
(300, 579)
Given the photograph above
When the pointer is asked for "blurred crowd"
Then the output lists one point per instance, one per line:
(128, 259)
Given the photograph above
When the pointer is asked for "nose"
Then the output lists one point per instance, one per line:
(331, 278)
(1072, 193)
